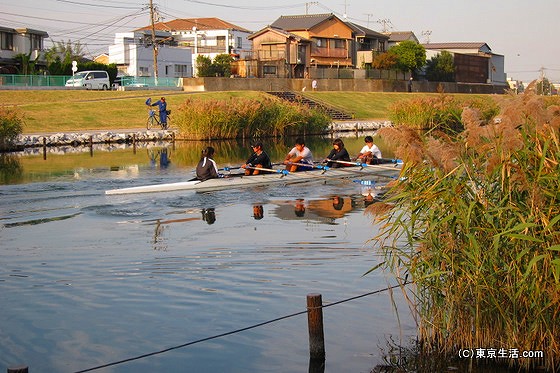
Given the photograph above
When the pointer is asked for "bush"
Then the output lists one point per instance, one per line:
(475, 224)
(11, 126)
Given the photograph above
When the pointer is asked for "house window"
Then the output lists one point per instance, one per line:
(269, 70)
(182, 70)
(239, 42)
(6, 41)
(339, 43)
(321, 43)
(144, 71)
(36, 42)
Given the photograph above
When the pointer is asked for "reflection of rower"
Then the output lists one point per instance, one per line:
(299, 207)
(258, 212)
(209, 215)
(334, 207)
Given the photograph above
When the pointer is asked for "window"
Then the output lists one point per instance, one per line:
(239, 42)
(36, 42)
(321, 43)
(144, 71)
(182, 70)
(6, 41)
(269, 70)
(339, 43)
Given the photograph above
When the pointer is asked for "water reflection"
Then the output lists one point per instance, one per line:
(29, 166)
(258, 212)
(326, 210)
(209, 215)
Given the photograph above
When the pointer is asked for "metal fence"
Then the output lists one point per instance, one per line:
(33, 80)
(60, 81)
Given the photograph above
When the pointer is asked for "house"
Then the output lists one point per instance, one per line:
(102, 58)
(20, 41)
(474, 61)
(397, 37)
(367, 43)
(292, 44)
(207, 36)
(133, 53)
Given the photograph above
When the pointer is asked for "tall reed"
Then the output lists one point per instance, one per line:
(475, 224)
(244, 118)
(437, 112)
(11, 125)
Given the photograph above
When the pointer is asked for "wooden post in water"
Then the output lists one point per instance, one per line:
(91, 146)
(44, 148)
(315, 326)
(133, 143)
(18, 369)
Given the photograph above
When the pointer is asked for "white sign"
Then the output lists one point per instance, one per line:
(74, 66)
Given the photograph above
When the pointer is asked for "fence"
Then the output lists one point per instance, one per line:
(60, 81)
(33, 80)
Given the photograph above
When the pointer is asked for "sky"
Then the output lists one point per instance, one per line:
(525, 32)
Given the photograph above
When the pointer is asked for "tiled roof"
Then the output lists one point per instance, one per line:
(200, 23)
(459, 45)
(398, 36)
(287, 34)
(301, 22)
(363, 31)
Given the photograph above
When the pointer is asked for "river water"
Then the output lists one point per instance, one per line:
(88, 280)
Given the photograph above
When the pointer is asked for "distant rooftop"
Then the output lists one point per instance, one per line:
(183, 24)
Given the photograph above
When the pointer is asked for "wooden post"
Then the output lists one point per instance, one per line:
(44, 148)
(133, 143)
(18, 369)
(91, 146)
(315, 326)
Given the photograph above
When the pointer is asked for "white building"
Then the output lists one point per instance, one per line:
(133, 54)
(208, 37)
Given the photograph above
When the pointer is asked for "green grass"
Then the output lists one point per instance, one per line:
(54, 111)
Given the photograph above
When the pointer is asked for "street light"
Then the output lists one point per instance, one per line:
(195, 50)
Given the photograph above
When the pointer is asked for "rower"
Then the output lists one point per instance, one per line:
(206, 168)
(259, 159)
(301, 155)
(338, 153)
(370, 153)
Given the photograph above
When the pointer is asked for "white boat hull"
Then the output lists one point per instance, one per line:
(263, 179)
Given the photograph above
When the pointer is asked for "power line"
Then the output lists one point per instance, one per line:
(96, 5)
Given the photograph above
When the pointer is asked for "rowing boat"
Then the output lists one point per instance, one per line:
(279, 176)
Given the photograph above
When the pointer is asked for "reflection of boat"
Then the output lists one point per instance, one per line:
(239, 181)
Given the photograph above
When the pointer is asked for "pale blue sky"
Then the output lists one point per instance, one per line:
(525, 32)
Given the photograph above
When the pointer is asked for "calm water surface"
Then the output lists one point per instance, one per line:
(88, 279)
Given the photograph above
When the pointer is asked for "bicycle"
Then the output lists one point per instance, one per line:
(153, 120)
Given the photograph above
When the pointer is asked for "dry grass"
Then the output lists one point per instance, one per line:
(475, 225)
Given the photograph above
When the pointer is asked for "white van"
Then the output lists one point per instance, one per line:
(90, 80)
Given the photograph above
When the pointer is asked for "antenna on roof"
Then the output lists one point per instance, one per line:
(307, 5)
(427, 34)
(345, 15)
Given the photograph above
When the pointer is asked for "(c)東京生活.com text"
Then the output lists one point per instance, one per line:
(499, 353)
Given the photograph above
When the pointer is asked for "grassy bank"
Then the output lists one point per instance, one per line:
(64, 111)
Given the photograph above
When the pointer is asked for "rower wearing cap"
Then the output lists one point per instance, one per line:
(259, 159)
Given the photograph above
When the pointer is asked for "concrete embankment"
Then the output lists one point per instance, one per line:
(88, 138)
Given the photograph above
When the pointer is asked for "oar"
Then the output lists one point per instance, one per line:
(283, 172)
(318, 166)
(362, 165)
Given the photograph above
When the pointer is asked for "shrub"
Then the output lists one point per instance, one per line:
(11, 126)
(475, 224)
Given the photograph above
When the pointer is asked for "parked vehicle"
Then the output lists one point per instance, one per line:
(90, 80)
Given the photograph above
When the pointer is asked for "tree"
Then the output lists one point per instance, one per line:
(203, 66)
(385, 61)
(25, 63)
(441, 68)
(59, 57)
(410, 55)
(222, 64)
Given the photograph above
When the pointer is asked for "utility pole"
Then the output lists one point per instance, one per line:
(385, 22)
(154, 42)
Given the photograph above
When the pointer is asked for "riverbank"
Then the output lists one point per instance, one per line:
(127, 136)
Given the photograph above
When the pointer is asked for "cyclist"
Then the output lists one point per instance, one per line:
(162, 106)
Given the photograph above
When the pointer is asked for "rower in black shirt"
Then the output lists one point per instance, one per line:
(258, 159)
(206, 167)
